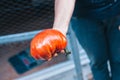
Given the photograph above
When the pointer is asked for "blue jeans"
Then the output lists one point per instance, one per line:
(101, 41)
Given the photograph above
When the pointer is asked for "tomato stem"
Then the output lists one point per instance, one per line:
(67, 52)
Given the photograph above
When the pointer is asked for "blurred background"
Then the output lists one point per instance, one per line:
(20, 20)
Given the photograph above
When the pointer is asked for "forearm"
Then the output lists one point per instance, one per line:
(63, 13)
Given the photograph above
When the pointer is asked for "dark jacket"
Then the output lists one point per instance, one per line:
(100, 9)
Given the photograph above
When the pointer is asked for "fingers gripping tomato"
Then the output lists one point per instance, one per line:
(46, 43)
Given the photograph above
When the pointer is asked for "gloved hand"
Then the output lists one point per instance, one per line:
(46, 43)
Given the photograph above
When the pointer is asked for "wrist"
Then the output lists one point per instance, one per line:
(62, 29)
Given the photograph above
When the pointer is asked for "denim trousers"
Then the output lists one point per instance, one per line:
(101, 41)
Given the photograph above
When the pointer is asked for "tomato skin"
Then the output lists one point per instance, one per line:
(46, 43)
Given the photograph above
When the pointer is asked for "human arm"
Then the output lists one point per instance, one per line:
(63, 14)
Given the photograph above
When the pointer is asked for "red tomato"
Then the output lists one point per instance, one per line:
(46, 43)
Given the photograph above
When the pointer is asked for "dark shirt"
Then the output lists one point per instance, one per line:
(93, 4)
(97, 8)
